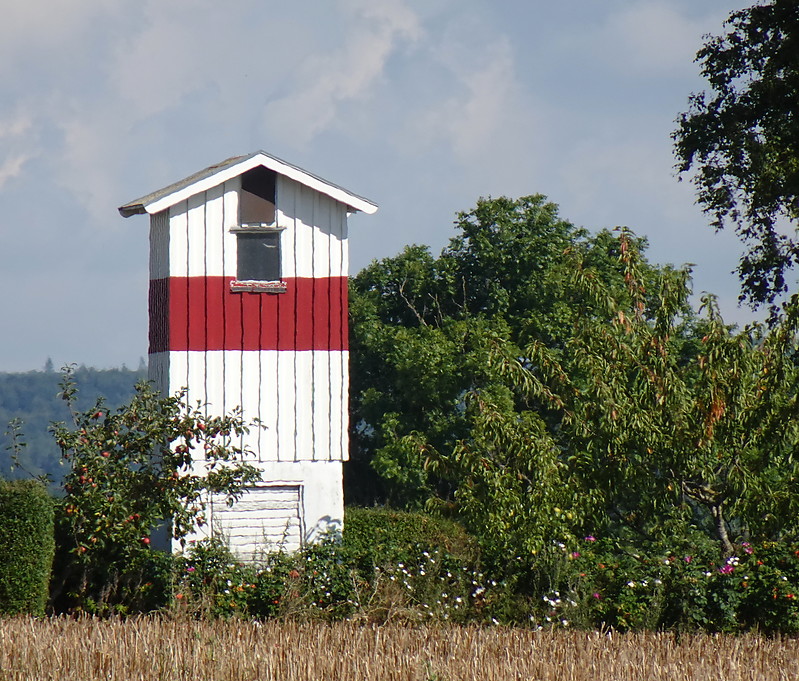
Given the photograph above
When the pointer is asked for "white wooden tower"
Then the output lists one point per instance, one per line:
(248, 308)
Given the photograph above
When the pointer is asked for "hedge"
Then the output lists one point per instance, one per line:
(381, 535)
(27, 545)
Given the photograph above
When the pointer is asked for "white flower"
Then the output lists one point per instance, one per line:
(631, 584)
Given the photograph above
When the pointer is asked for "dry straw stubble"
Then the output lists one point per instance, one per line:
(172, 650)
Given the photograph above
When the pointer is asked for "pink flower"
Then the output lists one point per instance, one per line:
(726, 569)
(590, 537)
(688, 559)
(576, 554)
(189, 569)
(596, 595)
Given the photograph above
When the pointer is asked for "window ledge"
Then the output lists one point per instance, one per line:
(257, 286)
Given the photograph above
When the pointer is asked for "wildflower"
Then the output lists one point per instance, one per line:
(726, 569)
(688, 559)
(596, 595)
(747, 548)
(631, 584)
(575, 554)
(190, 569)
(178, 596)
(590, 537)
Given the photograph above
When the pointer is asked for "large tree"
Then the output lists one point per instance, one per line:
(423, 329)
(741, 141)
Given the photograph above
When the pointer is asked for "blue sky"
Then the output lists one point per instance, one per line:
(420, 105)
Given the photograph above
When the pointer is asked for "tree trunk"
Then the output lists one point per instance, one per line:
(721, 530)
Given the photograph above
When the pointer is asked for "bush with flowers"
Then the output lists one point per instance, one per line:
(679, 585)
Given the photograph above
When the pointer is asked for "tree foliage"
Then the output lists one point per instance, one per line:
(741, 139)
(423, 329)
(150, 462)
(659, 425)
(542, 385)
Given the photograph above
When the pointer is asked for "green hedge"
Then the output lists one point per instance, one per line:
(380, 536)
(27, 545)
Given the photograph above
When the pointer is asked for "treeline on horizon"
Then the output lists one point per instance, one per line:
(31, 399)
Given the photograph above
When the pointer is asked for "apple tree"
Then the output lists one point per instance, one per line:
(150, 462)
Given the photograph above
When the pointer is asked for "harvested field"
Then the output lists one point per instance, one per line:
(150, 648)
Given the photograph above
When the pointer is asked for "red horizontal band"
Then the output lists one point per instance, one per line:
(202, 313)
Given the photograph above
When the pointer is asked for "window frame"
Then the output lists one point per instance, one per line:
(240, 285)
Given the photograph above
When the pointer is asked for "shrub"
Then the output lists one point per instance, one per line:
(209, 581)
(380, 536)
(26, 546)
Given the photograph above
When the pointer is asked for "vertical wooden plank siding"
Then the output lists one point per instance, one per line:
(282, 358)
(197, 298)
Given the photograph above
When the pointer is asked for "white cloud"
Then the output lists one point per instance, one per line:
(16, 126)
(46, 29)
(471, 118)
(325, 81)
(12, 167)
(652, 38)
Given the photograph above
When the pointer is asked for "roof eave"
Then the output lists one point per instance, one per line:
(156, 201)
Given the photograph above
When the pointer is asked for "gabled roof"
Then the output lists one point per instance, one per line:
(232, 167)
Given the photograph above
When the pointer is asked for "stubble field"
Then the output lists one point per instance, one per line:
(151, 648)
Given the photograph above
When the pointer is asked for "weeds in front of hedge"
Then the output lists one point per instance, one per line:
(592, 584)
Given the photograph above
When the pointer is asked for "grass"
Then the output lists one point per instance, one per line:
(286, 650)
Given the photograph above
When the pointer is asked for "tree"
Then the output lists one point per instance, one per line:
(742, 140)
(658, 426)
(422, 329)
(133, 469)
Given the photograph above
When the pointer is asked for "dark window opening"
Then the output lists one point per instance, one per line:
(258, 256)
(257, 198)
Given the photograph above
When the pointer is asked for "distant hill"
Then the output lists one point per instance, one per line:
(33, 397)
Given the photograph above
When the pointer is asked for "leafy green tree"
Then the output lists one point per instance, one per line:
(151, 461)
(657, 427)
(741, 140)
(422, 329)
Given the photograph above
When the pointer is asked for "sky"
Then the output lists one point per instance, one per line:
(422, 106)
